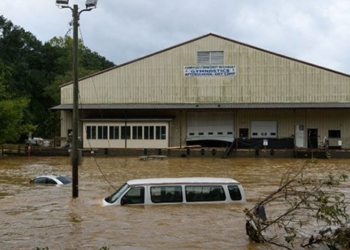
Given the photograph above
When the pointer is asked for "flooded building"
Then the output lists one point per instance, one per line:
(211, 91)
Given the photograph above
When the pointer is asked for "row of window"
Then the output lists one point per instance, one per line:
(168, 194)
(126, 132)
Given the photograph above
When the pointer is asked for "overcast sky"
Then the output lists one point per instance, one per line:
(317, 32)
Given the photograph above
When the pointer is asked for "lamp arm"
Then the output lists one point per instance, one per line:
(89, 9)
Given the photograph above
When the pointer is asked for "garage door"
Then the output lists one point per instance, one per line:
(210, 126)
(264, 129)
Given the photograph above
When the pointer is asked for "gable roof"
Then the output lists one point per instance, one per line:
(199, 38)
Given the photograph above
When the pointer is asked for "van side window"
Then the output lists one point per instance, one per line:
(166, 194)
(204, 193)
(235, 193)
(135, 195)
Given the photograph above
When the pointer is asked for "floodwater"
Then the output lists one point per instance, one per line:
(46, 216)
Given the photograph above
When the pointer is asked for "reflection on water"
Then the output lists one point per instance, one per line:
(46, 216)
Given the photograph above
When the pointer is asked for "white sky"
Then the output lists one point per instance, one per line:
(317, 32)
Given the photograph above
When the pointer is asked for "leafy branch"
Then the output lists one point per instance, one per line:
(305, 210)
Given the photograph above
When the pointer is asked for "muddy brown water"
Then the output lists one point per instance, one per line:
(46, 216)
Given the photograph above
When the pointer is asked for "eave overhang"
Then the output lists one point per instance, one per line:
(198, 106)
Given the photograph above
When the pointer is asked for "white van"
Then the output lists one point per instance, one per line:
(192, 190)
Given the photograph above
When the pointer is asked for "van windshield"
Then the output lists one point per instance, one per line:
(113, 197)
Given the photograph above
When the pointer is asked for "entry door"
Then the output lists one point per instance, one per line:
(312, 138)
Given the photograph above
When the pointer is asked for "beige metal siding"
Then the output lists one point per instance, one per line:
(284, 118)
(66, 122)
(322, 120)
(325, 120)
(261, 77)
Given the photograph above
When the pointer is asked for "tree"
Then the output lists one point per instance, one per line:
(312, 211)
(88, 63)
(11, 111)
(32, 72)
(11, 122)
(21, 57)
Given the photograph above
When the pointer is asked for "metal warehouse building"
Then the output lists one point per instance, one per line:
(214, 92)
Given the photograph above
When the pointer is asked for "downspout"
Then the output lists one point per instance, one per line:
(295, 130)
(180, 128)
(125, 130)
(236, 129)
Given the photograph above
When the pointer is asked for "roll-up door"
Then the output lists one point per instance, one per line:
(264, 129)
(210, 126)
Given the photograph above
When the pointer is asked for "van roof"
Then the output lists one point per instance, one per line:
(185, 180)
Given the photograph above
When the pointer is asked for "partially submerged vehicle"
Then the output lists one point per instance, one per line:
(52, 179)
(191, 190)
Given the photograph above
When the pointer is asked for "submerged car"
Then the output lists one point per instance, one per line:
(191, 190)
(52, 179)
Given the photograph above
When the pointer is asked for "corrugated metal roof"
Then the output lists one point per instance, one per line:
(199, 106)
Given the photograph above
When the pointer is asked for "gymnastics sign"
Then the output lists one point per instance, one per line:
(220, 70)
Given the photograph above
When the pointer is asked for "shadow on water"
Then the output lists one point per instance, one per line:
(46, 216)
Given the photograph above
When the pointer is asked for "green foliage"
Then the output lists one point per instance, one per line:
(30, 76)
(11, 113)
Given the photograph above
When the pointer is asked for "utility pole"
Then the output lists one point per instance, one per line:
(74, 152)
(75, 156)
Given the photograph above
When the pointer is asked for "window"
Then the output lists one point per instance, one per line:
(137, 132)
(135, 195)
(204, 193)
(235, 193)
(40, 180)
(149, 132)
(90, 132)
(243, 132)
(334, 134)
(166, 194)
(125, 132)
(102, 132)
(64, 179)
(210, 58)
(160, 132)
(115, 196)
(114, 132)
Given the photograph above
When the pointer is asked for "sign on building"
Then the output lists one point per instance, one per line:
(218, 70)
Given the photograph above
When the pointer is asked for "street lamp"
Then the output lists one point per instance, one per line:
(90, 4)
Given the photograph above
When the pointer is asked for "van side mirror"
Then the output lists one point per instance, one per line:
(124, 201)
